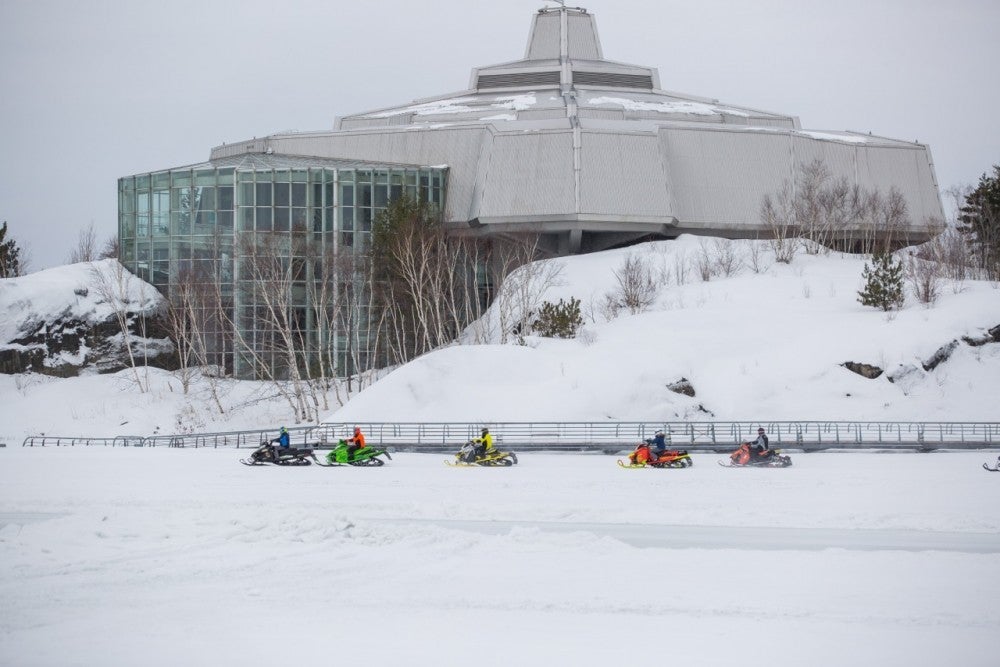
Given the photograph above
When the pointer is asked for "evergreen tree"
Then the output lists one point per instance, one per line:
(883, 282)
(980, 217)
(10, 255)
(561, 320)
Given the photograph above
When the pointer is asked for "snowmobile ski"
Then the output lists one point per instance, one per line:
(996, 469)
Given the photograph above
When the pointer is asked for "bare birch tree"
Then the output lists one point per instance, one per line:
(118, 289)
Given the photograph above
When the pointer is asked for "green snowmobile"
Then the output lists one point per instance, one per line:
(366, 456)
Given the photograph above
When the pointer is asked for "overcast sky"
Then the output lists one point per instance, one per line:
(98, 89)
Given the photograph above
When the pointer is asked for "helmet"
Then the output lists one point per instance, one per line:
(357, 429)
(659, 433)
(760, 430)
(284, 430)
(485, 430)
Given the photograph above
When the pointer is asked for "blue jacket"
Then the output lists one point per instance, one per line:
(283, 440)
(658, 442)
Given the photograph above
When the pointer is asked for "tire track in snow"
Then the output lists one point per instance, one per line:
(763, 538)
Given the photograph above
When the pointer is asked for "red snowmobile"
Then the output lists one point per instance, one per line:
(748, 457)
(644, 456)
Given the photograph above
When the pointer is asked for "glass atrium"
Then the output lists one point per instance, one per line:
(203, 230)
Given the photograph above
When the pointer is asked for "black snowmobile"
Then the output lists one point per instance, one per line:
(268, 452)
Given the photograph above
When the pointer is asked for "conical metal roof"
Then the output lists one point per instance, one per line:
(563, 75)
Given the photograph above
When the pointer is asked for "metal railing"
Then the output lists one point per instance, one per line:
(710, 436)
(589, 436)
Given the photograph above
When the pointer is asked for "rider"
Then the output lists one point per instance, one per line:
(357, 441)
(484, 444)
(284, 441)
(760, 446)
(658, 443)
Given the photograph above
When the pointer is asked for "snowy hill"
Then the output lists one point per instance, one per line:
(62, 320)
(767, 345)
(754, 345)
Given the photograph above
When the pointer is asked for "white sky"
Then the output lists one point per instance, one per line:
(90, 92)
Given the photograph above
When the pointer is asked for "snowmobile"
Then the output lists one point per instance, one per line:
(268, 452)
(746, 457)
(996, 466)
(366, 456)
(644, 456)
(469, 455)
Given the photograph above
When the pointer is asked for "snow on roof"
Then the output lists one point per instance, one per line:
(468, 104)
(672, 106)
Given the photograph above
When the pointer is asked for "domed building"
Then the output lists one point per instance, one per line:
(593, 153)
(564, 146)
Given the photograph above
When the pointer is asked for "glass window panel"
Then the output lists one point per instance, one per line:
(207, 199)
(299, 219)
(263, 218)
(161, 179)
(381, 178)
(280, 220)
(298, 194)
(225, 193)
(329, 218)
(225, 175)
(205, 222)
(281, 195)
(395, 192)
(281, 176)
(347, 218)
(225, 220)
(246, 219)
(204, 177)
(300, 175)
(246, 194)
(347, 239)
(180, 178)
(364, 219)
(263, 194)
(244, 176)
(181, 250)
(180, 222)
(347, 195)
(365, 194)
(381, 196)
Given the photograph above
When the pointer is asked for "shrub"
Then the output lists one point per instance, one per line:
(883, 282)
(560, 320)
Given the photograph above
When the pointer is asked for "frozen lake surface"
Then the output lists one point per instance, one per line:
(165, 556)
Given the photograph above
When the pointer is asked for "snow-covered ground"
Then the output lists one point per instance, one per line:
(140, 556)
(755, 346)
(128, 556)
